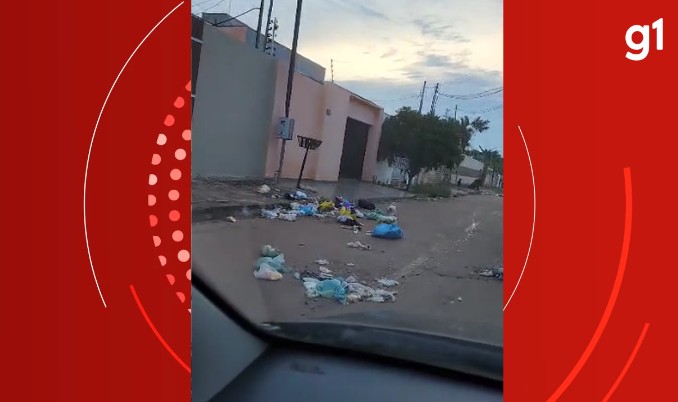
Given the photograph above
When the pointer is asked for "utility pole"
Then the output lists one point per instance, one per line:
(261, 17)
(332, 69)
(421, 97)
(268, 18)
(435, 99)
(290, 78)
(455, 112)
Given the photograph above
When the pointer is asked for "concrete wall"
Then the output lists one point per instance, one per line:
(246, 34)
(231, 120)
(471, 164)
(307, 108)
(320, 111)
(386, 174)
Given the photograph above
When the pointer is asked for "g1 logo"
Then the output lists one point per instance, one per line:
(643, 48)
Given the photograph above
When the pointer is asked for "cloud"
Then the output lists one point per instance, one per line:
(389, 53)
(434, 29)
(385, 49)
(364, 10)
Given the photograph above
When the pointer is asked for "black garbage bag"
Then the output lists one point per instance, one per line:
(365, 204)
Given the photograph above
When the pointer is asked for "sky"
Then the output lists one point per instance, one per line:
(384, 50)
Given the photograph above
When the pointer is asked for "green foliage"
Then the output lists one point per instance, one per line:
(427, 141)
(490, 157)
(442, 190)
(471, 127)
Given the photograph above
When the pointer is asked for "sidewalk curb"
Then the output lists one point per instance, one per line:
(222, 212)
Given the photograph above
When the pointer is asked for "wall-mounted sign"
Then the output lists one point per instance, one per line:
(286, 130)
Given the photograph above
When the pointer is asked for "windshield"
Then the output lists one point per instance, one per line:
(348, 166)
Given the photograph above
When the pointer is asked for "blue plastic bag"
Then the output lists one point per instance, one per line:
(387, 231)
(308, 210)
(277, 263)
(331, 289)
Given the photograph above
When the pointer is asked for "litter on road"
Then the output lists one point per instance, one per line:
(322, 262)
(357, 244)
(387, 231)
(271, 265)
(388, 282)
(230, 219)
(493, 273)
(268, 251)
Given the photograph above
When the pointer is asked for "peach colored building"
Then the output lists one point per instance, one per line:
(348, 125)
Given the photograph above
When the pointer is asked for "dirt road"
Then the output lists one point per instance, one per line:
(445, 244)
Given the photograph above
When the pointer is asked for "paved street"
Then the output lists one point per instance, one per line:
(446, 242)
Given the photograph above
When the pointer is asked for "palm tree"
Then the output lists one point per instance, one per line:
(491, 158)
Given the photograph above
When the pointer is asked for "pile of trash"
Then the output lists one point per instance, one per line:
(325, 285)
(346, 213)
(271, 265)
(497, 272)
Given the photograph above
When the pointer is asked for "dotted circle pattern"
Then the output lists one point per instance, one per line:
(168, 165)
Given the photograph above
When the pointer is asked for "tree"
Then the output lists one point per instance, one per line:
(427, 141)
(491, 159)
(470, 128)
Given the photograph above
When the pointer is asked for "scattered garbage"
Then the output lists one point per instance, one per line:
(387, 231)
(359, 215)
(264, 189)
(352, 298)
(271, 265)
(300, 195)
(365, 204)
(380, 217)
(343, 211)
(350, 264)
(351, 279)
(338, 201)
(388, 282)
(277, 263)
(311, 291)
(308, 275)
(230, 219)
(493, 273)
(322, 262)
(308, 210)
(348, 220)
(297, 275)
(324, 270)
(290, 217)
(267, 273)
(269, 214)
(246, 212)
(326, 206)
(268, 251)
(391, 210)
(459, 298)
(331, 289)
(367, 293)
(295, 205)
(357, 244)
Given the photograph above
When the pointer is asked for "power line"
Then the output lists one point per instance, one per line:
(488, 92)
(201, 3)
(492, 109)
(237, 16)
(213, 5)
(398, 99)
